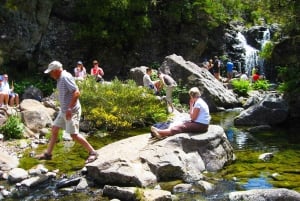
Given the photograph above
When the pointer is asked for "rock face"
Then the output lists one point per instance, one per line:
(271, 110)
(143, 161)
(213, 91)
(187, 72)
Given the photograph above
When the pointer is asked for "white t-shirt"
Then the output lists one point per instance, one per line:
(147, 81)
(204, 116)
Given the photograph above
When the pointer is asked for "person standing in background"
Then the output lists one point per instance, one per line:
(210, 66)
(170, 84)
(229, 69)
(216, 68)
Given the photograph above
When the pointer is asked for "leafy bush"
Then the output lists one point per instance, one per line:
(46, 85)
(241, 87)
(267, 50)
(13, 128)
(118, 105)
(261, 84)
(289, 77)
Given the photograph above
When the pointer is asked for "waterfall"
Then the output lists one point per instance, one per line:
(266, 38)
(251, 54)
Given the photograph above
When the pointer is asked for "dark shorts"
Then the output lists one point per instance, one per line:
(189, 127)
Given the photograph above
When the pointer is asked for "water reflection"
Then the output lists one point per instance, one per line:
(250, 172)
(257, 183)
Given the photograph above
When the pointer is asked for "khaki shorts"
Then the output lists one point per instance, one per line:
(70, 126)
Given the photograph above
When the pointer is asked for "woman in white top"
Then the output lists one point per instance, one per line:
(199, 114)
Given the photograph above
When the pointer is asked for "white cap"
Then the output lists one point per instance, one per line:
(52, 66)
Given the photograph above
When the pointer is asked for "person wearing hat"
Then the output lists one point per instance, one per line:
(97, 72)
(70, 111)
(79, 71)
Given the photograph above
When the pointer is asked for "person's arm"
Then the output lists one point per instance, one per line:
(101, 72)
(194, 112)
(74, 99)
(72, 103)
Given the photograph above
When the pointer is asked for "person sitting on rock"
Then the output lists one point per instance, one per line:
(199, 114)
(154, 85)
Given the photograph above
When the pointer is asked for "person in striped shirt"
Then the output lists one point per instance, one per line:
(70, 111)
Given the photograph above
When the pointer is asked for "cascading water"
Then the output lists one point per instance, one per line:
(251, 56)
(266, 38)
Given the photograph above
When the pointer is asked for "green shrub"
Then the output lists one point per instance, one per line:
(261, 84)
(13, 128)
(119, 106)
(241, 87)
(289, 76)
(46, 85)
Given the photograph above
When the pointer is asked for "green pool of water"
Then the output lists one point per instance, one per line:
(247, 172)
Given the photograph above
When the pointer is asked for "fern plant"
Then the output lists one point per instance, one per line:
(241, 87)
(261, 84)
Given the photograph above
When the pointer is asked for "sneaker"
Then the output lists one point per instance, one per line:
(44, 156)
(154, 131)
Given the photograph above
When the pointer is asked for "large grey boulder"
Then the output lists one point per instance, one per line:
(143, 161)
(265, 195)
(271, 110)
(191, 75)
(35, 115)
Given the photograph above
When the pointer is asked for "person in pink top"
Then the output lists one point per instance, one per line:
(97, 71)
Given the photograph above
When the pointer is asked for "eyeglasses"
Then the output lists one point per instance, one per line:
(95, 63)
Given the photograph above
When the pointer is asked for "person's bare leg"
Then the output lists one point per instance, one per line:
(11, 101)
(1, 99)
(93, 155)
(53, 139)
(81, 140)
(6, 97)
(165, 132)
(48, 154)
(17, 100)
(160, 133)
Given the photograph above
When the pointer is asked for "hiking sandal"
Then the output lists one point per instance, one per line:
(44, 156)
(92, 157)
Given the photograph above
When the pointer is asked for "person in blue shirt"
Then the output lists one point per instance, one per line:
(229, 69)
